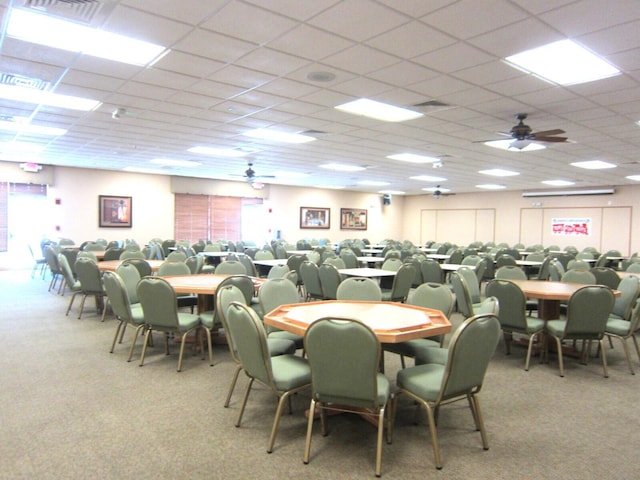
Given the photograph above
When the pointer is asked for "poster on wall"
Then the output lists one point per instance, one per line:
(571, 226)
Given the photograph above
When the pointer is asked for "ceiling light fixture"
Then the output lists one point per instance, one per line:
(515, 145)
(498, 172)
(635, 178)
(413, 158)
(563, 62)
(39, 28)
(558, 183)
(341, 167)
(39, 97)
(278, 136)
(373, 183)
(428, 178)
(20, 125)
(594, 165)
(491, 186)
(170, 162)
(223, 152)
(392, 192)
(378, 110)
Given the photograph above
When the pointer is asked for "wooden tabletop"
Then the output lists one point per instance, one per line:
(112, 265)
(201, 284)
(547, 290)
(270, 262)
(392, 322)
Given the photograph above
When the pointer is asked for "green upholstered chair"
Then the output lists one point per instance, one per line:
(577, 264)
(179, 267)
(428, 295)
(629, 288)
(130, 275)
(330, 278)
(336, 262)
(392, 263)
(359, 288)
(473, 283)
(510, 272)
(90, 280)
(51, 256)
(458, 376)
(311, 280)
(273, 293)
(606, 276)
(126, 254)
(160, 308)
(176, 256)
(226, 294)
(633, 268)
(431, 271)
(278, 271)
(463, 298)
(512, 314)
(344, 356)
(125, 312)
(556, 270)
(195, 263)
(625, 329)
(70, 281)
(584, 277)
(231, 267)
(283, 375)
(402, 282)
(587, 314)
(144, 267)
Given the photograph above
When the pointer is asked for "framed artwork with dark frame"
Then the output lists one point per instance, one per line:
(315, 217)
(114, 211)
(353, 219)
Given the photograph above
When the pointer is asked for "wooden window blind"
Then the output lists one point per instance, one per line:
(207, 217)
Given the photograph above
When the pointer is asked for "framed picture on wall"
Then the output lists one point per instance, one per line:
(353, 219)
(315, 217)
(114, 211)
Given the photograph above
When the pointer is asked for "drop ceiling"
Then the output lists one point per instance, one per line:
(237, 65)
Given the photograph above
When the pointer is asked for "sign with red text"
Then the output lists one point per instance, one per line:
(571, 226)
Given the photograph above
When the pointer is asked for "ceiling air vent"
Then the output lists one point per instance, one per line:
(431, 106)
(91, 12)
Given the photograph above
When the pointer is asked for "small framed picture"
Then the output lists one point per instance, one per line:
(314, 217)
(353, 219)
(114, 211)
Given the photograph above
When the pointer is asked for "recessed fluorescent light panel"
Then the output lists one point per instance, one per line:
(515, 145)
(21, 125)
(222, 152)
(378, 110)
(392, 192)
(372, 183)
(341, 167)
(491, 186)
(20, 147)
(40, 97)
(428, 178)
(635, 178)
(144, 170)
(594, 165)
(563, 62)
(170, 162)
(277, 136)
(42, 29)
(498, 172)
(558, 183)
(413, 158)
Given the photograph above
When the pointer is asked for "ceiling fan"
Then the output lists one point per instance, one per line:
(438, 192)
(523, 135)
(250, 175)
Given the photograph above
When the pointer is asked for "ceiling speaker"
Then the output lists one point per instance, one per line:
(386, 199)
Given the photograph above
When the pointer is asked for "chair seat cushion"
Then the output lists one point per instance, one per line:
(209, 320)
(556, 327)
(410, 348)
(617, 326)
(187, 321)
(425, 381)
(283, 335)
(432, 355)
(280, 346)
(383, 388)
(290, 371)
(534, 325)
(137, 315)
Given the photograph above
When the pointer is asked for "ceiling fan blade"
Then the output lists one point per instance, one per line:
(550, 139)
(546, 133)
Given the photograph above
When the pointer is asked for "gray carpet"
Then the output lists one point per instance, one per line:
(69, 409)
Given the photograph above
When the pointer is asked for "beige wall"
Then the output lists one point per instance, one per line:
(495, 216)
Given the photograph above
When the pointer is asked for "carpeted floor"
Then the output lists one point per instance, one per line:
(71, 410)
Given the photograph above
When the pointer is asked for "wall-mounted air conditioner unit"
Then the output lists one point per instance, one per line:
(567, 193)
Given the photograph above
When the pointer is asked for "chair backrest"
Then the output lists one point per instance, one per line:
(231, 267)
(350, 259)
(79, 254)
(335, 261)
(126, 254)
(629, 288)
(510, 272)
(556, 270)
(431, 271)
(470, 351)
(575, 264)
(505, 259)
(276, 292)
(472, 283)
(433, 295)
(402, 282)
(392, 264)
(330, 279)
(130, 276)
(579, 276)
(65, 269)
(89, 276)
(173, 268)
(278, 271)
(176, 256)
(456, 256)
(344, 356)
(463, 297)
(471, 260)
(606, 276)
(250, 340)
(51, 256)
(159, 302)
(512, 301)
(249, 266)
(294, 262)
(225, 296)
(634, 268)
(359, 288)
(195, 263)
(144, 268)
(314, 257)
(264, 255)
(311, 279)
(587, 312)
(112, 253)
(118, 295)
